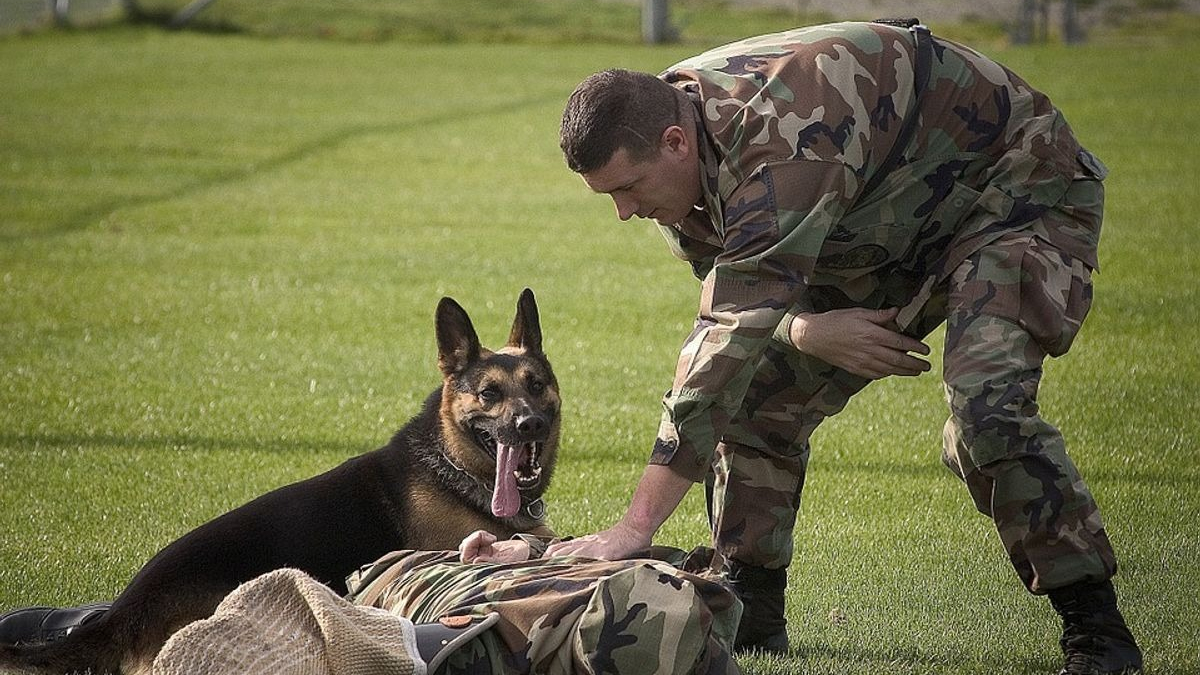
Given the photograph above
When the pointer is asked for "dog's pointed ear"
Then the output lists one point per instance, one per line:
(527, 328)
(458, 345)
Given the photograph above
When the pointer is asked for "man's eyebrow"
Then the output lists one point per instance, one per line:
(609, 191)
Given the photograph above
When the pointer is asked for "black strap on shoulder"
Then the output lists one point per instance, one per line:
(437, 641)
(921, 67)
(899, 23)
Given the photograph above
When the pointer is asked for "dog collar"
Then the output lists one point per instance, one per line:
(536, 509)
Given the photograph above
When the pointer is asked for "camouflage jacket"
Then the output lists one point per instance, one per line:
(792, 127)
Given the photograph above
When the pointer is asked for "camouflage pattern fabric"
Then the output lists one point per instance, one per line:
(990, 222)
(564, 615)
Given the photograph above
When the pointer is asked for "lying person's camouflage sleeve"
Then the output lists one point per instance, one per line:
(794, 125)
(564, 615)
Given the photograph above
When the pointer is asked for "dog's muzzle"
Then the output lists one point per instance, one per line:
(529, 468)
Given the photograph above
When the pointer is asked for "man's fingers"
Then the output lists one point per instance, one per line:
(907, 344)
(889, 362)
(904, 343)
(909, 366)
(872, 369)
(883, 316)
(893, 339)
(563, 547)
(900, 363)
(590, 546)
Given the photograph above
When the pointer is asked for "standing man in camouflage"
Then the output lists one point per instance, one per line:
(841, 191)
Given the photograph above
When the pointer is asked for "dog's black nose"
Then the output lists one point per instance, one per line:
(531, 426)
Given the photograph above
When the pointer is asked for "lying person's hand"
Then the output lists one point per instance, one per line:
(482, 546)
(864, 342)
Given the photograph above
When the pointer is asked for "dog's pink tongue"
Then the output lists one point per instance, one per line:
(506, 499)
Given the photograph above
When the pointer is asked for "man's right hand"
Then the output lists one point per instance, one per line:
(864, 342)
(658, 493)
(616, 543)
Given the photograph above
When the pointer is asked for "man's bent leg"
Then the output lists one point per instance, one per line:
(752, 510)
(758, 477)
(1011, 305)
(756, 531)
(1014, 463)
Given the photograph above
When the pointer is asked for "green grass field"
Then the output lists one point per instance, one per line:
(220, 257)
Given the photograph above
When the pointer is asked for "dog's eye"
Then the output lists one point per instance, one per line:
(489, 394)
(536, 387)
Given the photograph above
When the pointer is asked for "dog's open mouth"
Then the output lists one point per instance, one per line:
(517, 469)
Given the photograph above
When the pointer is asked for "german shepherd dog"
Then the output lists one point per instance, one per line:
(478, 455)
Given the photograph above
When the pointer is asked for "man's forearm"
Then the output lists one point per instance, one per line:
(656, 497)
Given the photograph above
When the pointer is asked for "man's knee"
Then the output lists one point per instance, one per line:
(993, 420)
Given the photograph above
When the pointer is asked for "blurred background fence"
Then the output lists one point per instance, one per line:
(23, 15)
(1019, 21)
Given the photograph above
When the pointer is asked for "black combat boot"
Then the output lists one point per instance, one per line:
(1095, 639)
(763, 624)
(37, 625)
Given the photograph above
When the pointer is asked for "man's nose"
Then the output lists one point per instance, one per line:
(626, 208)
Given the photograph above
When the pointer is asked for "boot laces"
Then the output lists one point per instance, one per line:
(1085, 653)
(1079, 663)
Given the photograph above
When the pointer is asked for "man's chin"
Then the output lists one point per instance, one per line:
(667, 219)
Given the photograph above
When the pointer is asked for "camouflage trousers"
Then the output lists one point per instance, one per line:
(1007, 306)
(565, 615)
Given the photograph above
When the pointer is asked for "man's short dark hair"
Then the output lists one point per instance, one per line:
(616, 109)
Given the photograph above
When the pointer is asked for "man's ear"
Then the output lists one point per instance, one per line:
(674, 141)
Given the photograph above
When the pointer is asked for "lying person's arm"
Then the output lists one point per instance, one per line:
(483, 546)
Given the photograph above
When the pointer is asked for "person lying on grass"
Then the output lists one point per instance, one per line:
(665, 611)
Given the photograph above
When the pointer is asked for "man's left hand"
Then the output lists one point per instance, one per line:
(864, 342)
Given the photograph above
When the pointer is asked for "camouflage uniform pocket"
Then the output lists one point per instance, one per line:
(898, 229)
(1029, 281)
(1055, 298)
(1092, 165)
